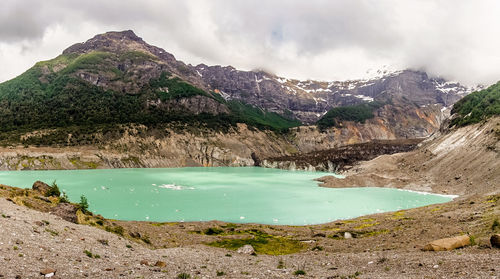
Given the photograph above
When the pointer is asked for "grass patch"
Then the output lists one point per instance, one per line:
(79, 164)
(262, 243)
(362, 226)
(52, 232)
(115, 229)
(91, 255)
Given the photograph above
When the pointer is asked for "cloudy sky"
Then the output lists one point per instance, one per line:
(318, 39)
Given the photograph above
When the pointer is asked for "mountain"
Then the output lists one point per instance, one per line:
(309, 100)
(117, 78)
(116, 88)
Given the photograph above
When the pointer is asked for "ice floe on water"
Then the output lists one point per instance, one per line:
(174, 186)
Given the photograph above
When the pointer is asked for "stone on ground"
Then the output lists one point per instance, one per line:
(447, 244)
(247, 249)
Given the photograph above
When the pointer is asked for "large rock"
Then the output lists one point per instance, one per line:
(67, 211)
(495, 240)
(247, 249)
(447, 244)
(41, 187)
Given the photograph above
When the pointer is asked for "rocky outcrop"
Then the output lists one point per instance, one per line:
(341, 158)
(67, 211)
(41, 187)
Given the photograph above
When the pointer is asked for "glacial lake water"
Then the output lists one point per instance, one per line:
(238, 195)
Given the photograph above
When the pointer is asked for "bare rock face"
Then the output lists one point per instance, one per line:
(67, 211)
(447, 244)
(495, 240)
(41, 187)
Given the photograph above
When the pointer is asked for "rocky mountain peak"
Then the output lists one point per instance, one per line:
(110, 41)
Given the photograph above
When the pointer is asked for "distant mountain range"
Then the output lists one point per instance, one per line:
(117, 78)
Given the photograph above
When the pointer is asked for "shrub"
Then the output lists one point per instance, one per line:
(299, 272)
(64, 198)
(495, 225)
(213, 231)
(83, 205)
(53, 191)
(117, 229)
(183, 276)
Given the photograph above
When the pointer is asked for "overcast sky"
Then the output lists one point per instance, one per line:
(317, 39)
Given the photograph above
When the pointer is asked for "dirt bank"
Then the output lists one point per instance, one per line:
(463, 162)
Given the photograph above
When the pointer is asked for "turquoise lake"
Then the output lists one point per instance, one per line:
(238, 195)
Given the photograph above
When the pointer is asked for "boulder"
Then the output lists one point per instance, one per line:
(247, 249)
(67, 211)
(447, 244)
(41, 187)
(495, 240)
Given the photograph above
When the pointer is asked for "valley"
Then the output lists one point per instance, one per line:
(117, 102)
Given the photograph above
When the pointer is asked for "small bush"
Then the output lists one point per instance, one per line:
(317, 248)
(299, 272)
(64, 198)
(91, 255)
(117, 229)
(472, 240)
(146, 239)
(213, 231)
(53, 191)
(221, 273)
(495, 225)
(183, 276)
(83, 205)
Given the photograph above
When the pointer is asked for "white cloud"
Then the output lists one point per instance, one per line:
(320, 39)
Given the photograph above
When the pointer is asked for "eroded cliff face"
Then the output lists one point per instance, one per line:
(390, 122)
(163, 149)
(140, 146)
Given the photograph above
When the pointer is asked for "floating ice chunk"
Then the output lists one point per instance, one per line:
(147, 217)
(174, 186)
(242, 217)
(275, 220)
